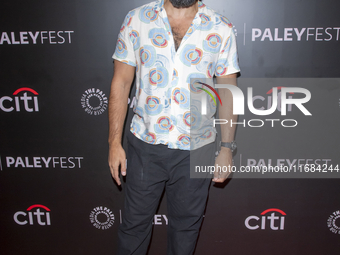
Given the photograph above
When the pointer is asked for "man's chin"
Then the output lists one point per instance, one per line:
(182, 3)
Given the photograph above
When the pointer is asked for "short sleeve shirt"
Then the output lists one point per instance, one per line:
(162, 106)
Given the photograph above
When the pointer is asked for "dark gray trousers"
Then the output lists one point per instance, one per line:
(150, 169)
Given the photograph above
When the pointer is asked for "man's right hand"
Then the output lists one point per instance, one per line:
(120, 87)
(117, 158)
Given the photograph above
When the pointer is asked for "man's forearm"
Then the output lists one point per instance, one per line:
(117, 111)
(226, 110)
(226, 113)
(225, 157)
(120, 89)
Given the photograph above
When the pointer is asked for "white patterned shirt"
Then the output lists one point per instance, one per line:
(162, 109)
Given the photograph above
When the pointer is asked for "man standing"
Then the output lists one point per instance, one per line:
(166, 43)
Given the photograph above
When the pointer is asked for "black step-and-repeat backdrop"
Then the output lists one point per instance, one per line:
(57, 195)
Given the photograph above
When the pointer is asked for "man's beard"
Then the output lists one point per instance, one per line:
(182, 3)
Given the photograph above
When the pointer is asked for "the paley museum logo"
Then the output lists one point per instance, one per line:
(102, 217)
(333, 222)
(94, 101)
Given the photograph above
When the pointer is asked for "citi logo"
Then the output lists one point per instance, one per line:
(272, 218)
(23, 99)
(35, 214)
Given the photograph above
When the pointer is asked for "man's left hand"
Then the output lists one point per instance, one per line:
(225, 162)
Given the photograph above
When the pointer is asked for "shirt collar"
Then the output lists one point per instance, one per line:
(198, 20)
(159, 6)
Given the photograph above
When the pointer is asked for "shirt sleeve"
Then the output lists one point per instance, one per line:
(227, 62)
(124, 48)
